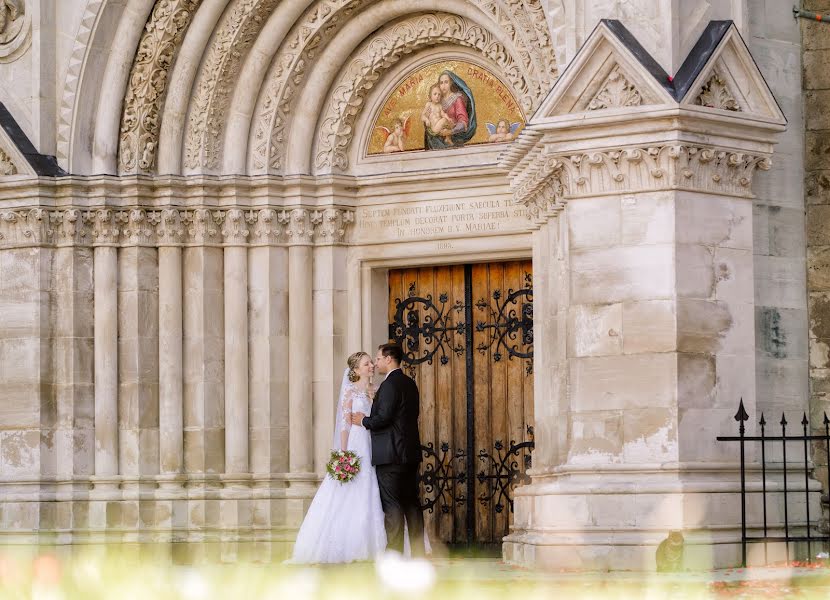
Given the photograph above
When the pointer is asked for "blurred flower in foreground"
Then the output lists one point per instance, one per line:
(10, 571)
(405, 575)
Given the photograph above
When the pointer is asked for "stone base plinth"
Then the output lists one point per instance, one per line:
(605, 519)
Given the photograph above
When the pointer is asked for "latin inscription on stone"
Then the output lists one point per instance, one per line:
(447, 219)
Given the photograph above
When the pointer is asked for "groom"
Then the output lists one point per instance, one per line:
(396, 449)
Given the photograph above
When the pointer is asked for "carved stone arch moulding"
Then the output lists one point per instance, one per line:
(376, 56)
(147, 86)
(229, 47)
(523, 24)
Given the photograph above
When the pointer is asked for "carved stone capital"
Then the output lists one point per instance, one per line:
(139, 226)
(169, 230)
(203, 226)
(636, 169)
(71, 227)
(25, 227)
(267, 229)
(331, 225)
(298, 226)
(235, 228)
(105, 226)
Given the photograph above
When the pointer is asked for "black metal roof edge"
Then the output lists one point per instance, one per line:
(641, 54)
(42, 164)
(699, 56)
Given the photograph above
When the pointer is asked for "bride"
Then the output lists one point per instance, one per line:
(345, 520)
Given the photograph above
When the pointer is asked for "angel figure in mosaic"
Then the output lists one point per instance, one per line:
(502, 131)
(396, 136)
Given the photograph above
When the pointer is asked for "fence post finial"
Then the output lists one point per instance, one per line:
(741, 415)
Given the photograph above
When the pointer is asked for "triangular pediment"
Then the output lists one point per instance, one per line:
(604, 75)
(731, 81)
(613, 72)
(17, 154)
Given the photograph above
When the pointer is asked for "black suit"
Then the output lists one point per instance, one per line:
(396, 454)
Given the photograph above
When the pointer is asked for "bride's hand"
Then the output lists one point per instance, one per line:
(357, 418)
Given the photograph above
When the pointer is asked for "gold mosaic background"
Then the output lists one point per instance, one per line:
(493, 101)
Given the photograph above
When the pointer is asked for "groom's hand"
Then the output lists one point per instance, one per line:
(357, 418)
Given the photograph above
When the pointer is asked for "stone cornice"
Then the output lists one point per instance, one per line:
(172, 226)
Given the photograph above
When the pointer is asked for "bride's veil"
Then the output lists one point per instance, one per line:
(338, 416)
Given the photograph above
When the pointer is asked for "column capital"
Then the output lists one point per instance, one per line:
(299, 229)
(105, 229)
(235, 230)
(25, 227)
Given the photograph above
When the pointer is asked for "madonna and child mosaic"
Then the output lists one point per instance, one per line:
(449, 104)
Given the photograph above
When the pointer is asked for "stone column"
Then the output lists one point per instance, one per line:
(203, 342)
(235, 235)
(644, 335)
(330, 316)
(269, 352)
(171, 423)
(105, 234)
(300, 336)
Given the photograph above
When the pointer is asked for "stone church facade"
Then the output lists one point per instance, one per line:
(206, 205)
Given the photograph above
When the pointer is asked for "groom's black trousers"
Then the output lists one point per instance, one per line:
(399, 497)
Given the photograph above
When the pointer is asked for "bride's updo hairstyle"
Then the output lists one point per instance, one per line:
(353, 361)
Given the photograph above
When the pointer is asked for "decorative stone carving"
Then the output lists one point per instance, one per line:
(302, 45)
(173, 227)
(70, 227)
(384, 50)
(267, 229)
(105, 230)
(25, 227)
(72, 80)
(331, 225)
(139, 226)
(715, 94)
(638, 169)
(148, 83)
(15, 29)
(234, 230)
(532, 70)
(229, 47)
(170, 229)
(204, 226)
(616, 92)
(7, 166)
(299, 227)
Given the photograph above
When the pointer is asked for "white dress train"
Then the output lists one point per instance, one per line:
(345, 520)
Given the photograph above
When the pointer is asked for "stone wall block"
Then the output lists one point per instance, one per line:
(594, 222)
(20, 452)
(781, 281)
(696, 380)
(817, 187)
(595, 330)
(702, 325)
(647, 219)
(814, 68)
(616, 382)
(726, 223)
(649, 326)
(650, 434)
(626, 273)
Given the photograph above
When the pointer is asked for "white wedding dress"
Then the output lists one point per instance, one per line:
(345, 520)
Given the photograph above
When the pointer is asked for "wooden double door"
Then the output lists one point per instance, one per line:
(467, 335)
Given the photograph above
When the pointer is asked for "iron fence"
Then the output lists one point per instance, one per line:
(812, 533)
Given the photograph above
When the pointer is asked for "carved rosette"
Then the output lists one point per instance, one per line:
(697, 168)
(616, 92)
(147, 90)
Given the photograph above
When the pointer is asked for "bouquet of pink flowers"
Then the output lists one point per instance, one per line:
(343, 465)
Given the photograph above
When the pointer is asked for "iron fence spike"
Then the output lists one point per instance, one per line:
(741, 415)
(804, 420)
(783, 419)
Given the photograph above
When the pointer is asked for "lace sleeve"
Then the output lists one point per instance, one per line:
(345, 417)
